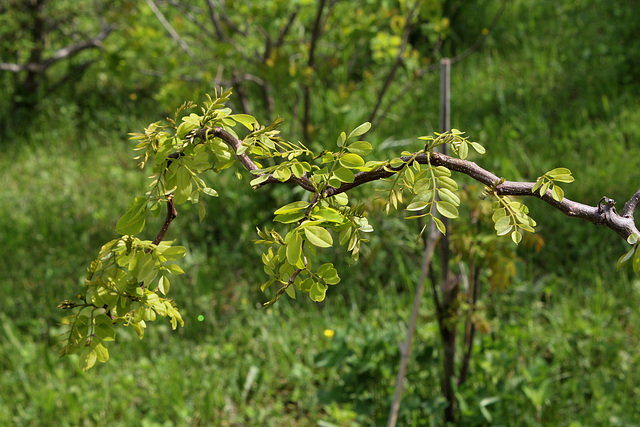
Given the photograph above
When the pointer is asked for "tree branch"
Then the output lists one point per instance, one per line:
(171, 215)
(601, 214)
(631, 205)
(60, 54)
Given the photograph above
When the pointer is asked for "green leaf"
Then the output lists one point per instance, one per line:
(557, 172)
(449, 196)
(463, 150)
(341, 139)
(291, 291)
(104, 328)
(318, 236)
(557, 193)
(636, 261)
(442, 171)
(174, 253)
(87, 359)
(351, 161)
(503, 225)
(292, 207)
(544, 188)
(297, 169)
(537, 185)
(318, 291)
(289, 217)
(516, 236)
(132, 222)
(101, 352)
(479, 148)
(164, 284)
(329, 274)
(361, 148)
(446, 209)
(282, 174)
(344, 175)
(294, 248)
(625, 258)
(633, 238)
(360, 130)
(448, 183)
(328, 214)
(396, 163)
(184, 129)
(341, 198)
(245, 119)
(174, 269)
(499, 213)
(439, 225)
(345, 233)
(417, 206)
(259, 180)
(210, 192)
(564, 178)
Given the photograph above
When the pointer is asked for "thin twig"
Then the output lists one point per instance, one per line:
(404, 350)
(172, 32)
(398, 61)
(306, 103)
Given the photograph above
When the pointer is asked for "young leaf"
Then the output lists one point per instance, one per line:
(291, 291)
(439, 225)
(318, 236)
(557, 193)
(351, 161)
(361, 148)
(318, 291)
(292, 207)
(446, 209)
(294, 248)
(344, 175)
(132, 222)
(479, 148)
(360, 130)
(87, 359)
(245, 119)
(625, 258)
(516, 236)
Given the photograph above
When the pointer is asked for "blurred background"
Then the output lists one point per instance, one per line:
(540, 84)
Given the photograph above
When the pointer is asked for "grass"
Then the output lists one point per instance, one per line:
(562, 347)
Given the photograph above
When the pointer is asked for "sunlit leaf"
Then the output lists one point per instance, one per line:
(439, 225)
(361, 148)
(622, 261)
(318, 291)
(557, 193)
(360, 130)
(344, 175)
(516, 236)
(446, 209)
(318, 236)
(132, 222)
(351, 161)
(245, 119)
(292, 207)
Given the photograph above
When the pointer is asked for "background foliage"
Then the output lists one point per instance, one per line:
(553, 85)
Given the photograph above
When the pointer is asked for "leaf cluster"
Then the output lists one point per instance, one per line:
(126, 284)
(549, 180)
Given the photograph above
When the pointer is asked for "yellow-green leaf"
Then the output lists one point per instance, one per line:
(318, 236)
(351, 161)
